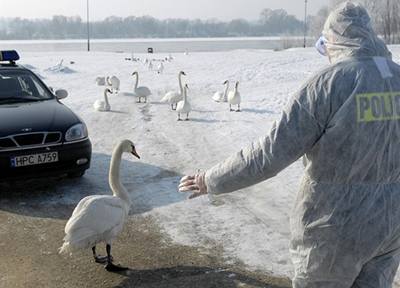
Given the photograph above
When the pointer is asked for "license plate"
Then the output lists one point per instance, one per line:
(34, 159)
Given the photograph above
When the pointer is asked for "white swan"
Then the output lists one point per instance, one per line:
(184, 107)
(103, 105)
(234, 98)
(160, 68)
(173, 97)
(142, 91)
(101, 81)
(222, 96)
(114, 83)
(100, 218)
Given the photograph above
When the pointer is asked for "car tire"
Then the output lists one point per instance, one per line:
(78, 174)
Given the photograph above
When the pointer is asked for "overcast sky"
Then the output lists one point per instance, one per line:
(203, 9)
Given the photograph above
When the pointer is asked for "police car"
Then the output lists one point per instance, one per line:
(39, 136)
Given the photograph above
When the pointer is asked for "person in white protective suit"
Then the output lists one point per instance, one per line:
(345, 225)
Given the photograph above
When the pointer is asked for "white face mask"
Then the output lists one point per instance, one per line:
(321, 46)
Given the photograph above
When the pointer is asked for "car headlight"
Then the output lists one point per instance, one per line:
(76, 132)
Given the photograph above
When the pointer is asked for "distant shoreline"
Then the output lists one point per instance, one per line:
(140, 40)
(159, 45)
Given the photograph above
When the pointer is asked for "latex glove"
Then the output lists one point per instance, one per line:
(195, 184)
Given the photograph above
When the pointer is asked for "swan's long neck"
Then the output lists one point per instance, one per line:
(185, 95)
(114, 176)
(137, 80)
(226, 89)
(180, 83)
(106, 98)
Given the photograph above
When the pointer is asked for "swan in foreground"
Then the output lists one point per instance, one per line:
(100, 218)
(234, 98)
(173, 97)
(184, 107)
(142, 91)
(103, 105)
(222, 96)
(114, 83)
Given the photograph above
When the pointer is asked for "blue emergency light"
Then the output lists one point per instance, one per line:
(9, 55)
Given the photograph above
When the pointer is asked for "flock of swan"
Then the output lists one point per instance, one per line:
(177, 99)
(232, 97)
(100, 218)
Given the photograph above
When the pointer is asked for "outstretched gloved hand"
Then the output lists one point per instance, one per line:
(195, 184)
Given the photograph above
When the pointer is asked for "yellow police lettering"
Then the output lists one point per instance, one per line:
(378, 106)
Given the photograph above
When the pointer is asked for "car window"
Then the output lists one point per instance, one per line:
(21, 85)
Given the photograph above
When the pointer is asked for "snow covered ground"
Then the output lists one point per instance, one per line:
(252, 225)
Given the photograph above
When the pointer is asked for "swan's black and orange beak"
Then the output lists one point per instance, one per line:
(134, 153)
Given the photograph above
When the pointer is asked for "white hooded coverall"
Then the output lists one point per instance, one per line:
(346, 221)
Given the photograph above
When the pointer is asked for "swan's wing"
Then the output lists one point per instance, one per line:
(176, 97)
(99, 105)
(101, 81)
(115, 82)
(231, 95)
(95, 216)
(80, 205)
(143, 90)
(168, 96)
(179, 106)
(218, 96)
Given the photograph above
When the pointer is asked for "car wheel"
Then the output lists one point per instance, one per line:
(76, 174)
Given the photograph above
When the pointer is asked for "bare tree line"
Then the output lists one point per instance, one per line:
(270, 23)
(385, 16)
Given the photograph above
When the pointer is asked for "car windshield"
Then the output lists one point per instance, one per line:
(21, 86)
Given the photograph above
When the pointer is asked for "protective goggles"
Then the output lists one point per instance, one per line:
(321, 46)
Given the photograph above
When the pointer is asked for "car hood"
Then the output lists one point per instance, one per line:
(49, 115)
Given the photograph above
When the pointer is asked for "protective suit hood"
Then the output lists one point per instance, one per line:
(350, 34)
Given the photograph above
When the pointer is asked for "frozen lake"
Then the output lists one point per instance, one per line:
(159, 45)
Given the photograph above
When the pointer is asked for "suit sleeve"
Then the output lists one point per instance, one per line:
(298, 129)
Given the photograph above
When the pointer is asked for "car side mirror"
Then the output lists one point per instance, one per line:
(61, 94)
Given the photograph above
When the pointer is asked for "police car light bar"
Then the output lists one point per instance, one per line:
(9, 55)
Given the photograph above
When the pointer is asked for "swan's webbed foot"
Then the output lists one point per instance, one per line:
(187, 117)
(110, 267)
(238, 110)
(101, 259)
